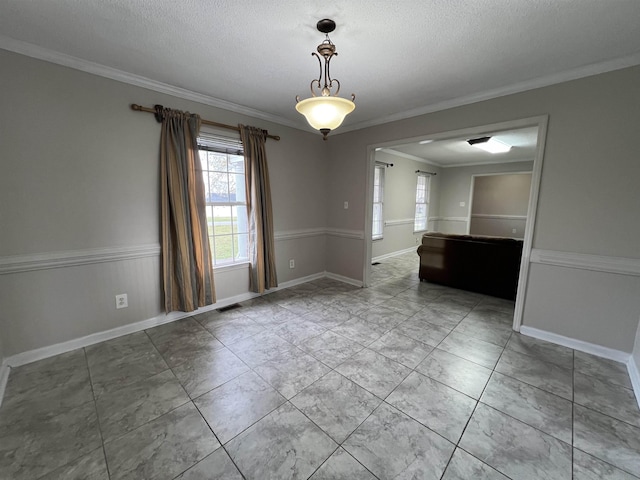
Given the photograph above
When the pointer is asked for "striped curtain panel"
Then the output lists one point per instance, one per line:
(186, 257)
(261, 244)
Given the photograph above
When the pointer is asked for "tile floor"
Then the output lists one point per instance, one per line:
(403, 380)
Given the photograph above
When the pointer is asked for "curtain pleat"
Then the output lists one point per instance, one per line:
(186, 258)
(258, 190)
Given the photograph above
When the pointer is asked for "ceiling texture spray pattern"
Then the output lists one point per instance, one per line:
(402, 58)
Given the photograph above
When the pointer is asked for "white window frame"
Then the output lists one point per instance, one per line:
(378, 192)
(229, 147)
(421, 222)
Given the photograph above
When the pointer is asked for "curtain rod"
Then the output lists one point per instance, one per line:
(428, 173)
(384, 163)
(140, 108)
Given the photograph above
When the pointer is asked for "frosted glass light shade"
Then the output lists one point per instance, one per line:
(325, 112)
(491, 145)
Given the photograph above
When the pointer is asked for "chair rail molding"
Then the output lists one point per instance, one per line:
(596, 263)
(70, 258)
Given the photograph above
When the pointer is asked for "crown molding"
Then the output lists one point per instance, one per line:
(86, 66)
(547, 80)
(489, 162)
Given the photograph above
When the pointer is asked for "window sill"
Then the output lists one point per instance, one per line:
(228, 267)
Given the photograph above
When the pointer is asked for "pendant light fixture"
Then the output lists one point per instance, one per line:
(325, 111)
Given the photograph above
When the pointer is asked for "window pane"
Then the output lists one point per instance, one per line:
(242, 247)
(203, 160)
(218, 187)
(217, 161)
(223, 249)
(236, 163)
(222, 220)
(240, 221)
(209, 220)
(236, 188)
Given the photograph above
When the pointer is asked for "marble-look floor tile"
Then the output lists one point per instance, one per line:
(537, 408)
(392, 445)
(546, 376)
(423, 331)
(476, 351)
(489, 315)
(500, 304)
(330, 348)
(608, 439)
(342, 465)
(88, 467)
(460, 374)
(283, 445)
(514, 448)
(299, 330)
(491, 332)
(447, 305)
(214, 317)
(346, 303)
(48, 386)
(175, 330)
(587, 467)
(384, 318)
(438, 318)
(291, 372)
(545, 351)
(33, 446)
(235, 330)
(442, 409)
(613, 400)
(417, 296)
(328, 317)
(123, 361)
(217, 466)
(404, 306)
(236, 405)
(371, 296)
(188, 347)
(374, 372)
(336, 405)
(280, 295)
(261, 348)
(269, 314)
(300, 304)
(205, 373)
(162, 448)
(606, 370)
(360, 331)
(402, 349)
(466, 467)
(125, 409)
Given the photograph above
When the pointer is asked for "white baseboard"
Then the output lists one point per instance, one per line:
(634, 375)
(4, 378)
(51, 350)
(582, 346)
(395, 254)
(593, 349)
(340, 278)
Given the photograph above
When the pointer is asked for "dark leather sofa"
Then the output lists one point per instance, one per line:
(488, 265)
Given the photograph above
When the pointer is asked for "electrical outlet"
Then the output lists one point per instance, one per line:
(346, 205)
(121, 301)
(292, 263)
(513, 230)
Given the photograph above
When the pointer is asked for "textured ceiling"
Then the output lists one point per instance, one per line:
(400, 58)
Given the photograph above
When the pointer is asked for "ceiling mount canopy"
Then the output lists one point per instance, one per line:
(324, 110)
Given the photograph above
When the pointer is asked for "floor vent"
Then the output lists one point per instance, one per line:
(229, 307)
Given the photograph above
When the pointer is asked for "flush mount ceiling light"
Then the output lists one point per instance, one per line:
(325, 111)
(489, 144)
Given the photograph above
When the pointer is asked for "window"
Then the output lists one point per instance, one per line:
(222, 163)
(422, 203)
(378, 198)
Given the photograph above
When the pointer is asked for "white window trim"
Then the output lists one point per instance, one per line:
(379, 237)
(426, 202)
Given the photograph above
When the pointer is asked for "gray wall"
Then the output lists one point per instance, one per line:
(80, 173)
(455, 188)
(588, 195)
(399, 204)
(499, 205)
